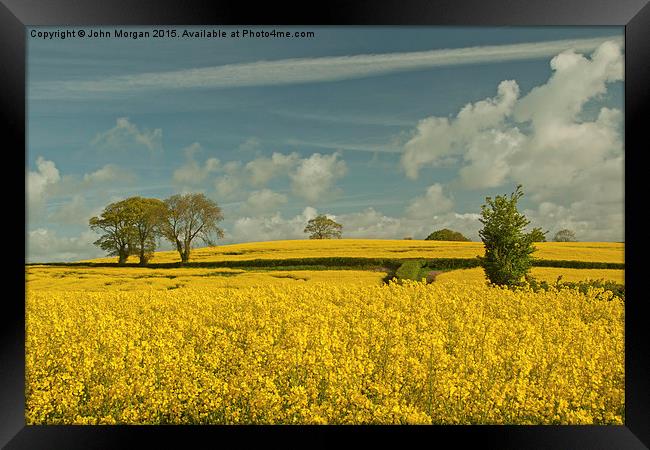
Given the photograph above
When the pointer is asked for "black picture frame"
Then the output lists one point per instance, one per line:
(16, 15)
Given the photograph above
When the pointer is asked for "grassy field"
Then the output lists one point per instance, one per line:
(379, 248)
(193, 345)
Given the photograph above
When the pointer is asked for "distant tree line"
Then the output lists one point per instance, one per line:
(133, 226)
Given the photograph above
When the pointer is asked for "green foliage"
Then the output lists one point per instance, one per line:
(565, 236)
(446, 235)
(188, 216)
(322, 227)
(116, 224)
(147, 216)
(537, 235)
(330, 263)
(570, 264)
(412, 270)
(507, 248)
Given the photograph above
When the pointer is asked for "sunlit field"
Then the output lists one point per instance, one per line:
(437, 354)
(379, 248)
(48, 278)
(548, 274)
(274, 345)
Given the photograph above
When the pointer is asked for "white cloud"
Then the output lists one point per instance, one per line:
(126, 134)
(589, 221)
(269, 228)
(372, 224)
(315, 176)
(193, 172)
(44, 245)
(231, 185)
(75, 212)
(365, 224)
(435, 139)
(575, 80)
(540, 140)
(433, 202)
(40, 181)
(263, 169)
(262, 201)
(309, 70)
(250, 144)
(107, 174)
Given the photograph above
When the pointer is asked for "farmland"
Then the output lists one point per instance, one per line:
(226, 345)
(610, 252)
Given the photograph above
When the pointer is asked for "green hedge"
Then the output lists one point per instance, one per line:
(412, 270)
(353, 263)
(568, 264)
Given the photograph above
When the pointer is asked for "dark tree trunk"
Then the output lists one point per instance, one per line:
(123, 256)
(185, 256)
(143, 258)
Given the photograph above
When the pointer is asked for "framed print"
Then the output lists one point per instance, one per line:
(398, 220)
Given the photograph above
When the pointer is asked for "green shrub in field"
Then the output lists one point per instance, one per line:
(446, 235)
(412, 270)
(508, 248)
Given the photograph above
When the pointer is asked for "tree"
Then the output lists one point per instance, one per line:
(507, 247)
(537, 235)
(116, 222)
(186, 217)
(446, 235)
(147, 215)
(565, 236)
(322, 227)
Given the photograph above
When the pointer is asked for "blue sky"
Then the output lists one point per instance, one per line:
(394, 131)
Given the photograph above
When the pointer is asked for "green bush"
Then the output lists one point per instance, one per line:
(412, 270)
(446, 235)
(508, 249)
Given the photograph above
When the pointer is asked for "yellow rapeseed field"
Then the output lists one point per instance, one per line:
(382, 248)
(443, 353)
(548, 274)
(54, 278)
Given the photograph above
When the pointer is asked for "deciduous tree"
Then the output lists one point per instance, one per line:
(565, 236)
(322, 227)
(187, 217)
(116, 222)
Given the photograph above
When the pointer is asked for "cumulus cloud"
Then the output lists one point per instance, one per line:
(269, 228)
(193, 172)
(372, 224)
(45, 245)
(315, 176)
(540, 140)
(433, 202)
(367, 224)
(589, 221)
(436, 139)
(263, 169)
(107, 174)
(40, 180)
(231, 184)
(76, 211)
(262, 201)
(126, 134)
